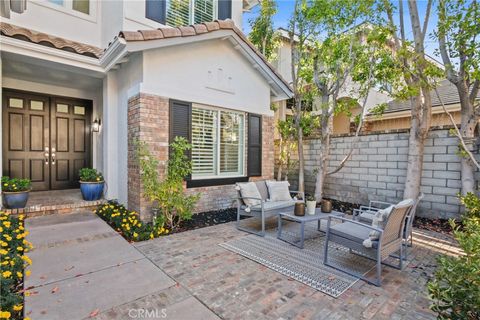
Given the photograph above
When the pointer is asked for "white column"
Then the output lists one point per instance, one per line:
(110, 135)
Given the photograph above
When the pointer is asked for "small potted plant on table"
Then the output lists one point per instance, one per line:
(311, 204)
(91, 184)
(15, 192)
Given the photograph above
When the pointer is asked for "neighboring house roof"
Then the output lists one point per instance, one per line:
(195, 30)
(447, 91)
(44, 39)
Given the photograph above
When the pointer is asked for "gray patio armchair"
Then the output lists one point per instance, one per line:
(365, 214)
(352, 234)
(265, 209)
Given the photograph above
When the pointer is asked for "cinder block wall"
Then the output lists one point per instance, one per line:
(377, 170)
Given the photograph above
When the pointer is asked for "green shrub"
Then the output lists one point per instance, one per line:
(455, 289)
(13, 247)
(168, 195)
(90, 175)
(15, 185)
(128, 223)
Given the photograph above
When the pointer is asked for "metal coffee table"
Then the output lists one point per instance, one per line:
(318, 216)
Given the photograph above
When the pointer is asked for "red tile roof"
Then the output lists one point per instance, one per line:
(44, 39)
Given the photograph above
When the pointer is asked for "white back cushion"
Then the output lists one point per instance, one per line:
(278, 190)
(249, 189)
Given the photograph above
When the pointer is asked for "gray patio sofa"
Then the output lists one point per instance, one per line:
(265, 209)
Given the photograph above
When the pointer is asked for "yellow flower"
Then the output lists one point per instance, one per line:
(166, 231)
(27, 318)
(135, 234)
(3, 244)
(19, 274)
(26, 259)
(21, 217)
(1, 229)
(17, 307)
(6, 274)
(12, 263)
(3, 251)
(19, 248)
(151, 235)
(6, 224)
(27, 293)
(5, 315)
(28, 273)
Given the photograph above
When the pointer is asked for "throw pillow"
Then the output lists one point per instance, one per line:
(278, 190)
(249, 189)
(379, 220)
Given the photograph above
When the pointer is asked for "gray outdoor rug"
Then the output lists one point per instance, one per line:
(304, 265)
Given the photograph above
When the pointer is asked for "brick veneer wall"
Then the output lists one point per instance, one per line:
(377, 171)
(148, 120)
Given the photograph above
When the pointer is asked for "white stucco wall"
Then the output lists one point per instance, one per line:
(118, 85)
(210, 72)
(59, 21)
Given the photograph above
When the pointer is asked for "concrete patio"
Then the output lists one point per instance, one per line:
(81, 266)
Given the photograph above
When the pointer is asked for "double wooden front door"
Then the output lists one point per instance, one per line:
(45, 139)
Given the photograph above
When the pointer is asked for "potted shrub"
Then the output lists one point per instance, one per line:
(91, 184)
(311, 204)
(15, 192)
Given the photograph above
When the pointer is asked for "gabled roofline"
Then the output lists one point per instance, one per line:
(220, 29)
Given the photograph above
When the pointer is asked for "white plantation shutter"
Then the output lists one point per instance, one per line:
(186, 12)
(217, 143)
(204, 141)
(203, 10)
(231, 142)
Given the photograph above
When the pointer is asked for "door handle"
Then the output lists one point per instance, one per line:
(46, 155)
(53, 158)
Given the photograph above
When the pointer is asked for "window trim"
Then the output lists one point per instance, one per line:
(67, 8)
(220, 176)
(191, 12)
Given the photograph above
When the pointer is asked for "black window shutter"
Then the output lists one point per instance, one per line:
(156, 10)
(224, 9)
(254, 154)
(181, 122)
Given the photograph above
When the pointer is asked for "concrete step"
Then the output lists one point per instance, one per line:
(42, 203)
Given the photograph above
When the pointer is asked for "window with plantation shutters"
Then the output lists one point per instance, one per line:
(217, 143)
(185, 12)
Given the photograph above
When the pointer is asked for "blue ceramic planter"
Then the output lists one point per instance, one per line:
(15, 200)
(91, 191)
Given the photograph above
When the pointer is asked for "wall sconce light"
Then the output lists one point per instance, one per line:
(96, 125)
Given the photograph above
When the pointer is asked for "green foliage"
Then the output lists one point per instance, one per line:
(263, 35)
(309, 123)
(310, 197)
(458, 21)
(378, 110)
(13, 248)
(168, 195)
(455, 290)
(15, 184)
(128, 223)
(90, 175)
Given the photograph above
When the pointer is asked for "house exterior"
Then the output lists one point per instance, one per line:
(131, 69)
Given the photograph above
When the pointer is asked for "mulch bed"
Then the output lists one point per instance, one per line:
(207, 219)
(212, 218)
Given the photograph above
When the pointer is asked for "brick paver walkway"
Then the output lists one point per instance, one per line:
(234, 287)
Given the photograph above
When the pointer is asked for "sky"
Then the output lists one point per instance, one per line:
(285, 9)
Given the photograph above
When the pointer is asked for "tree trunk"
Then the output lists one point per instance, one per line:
(301, 161)
(281, 160)
(322, 159)
(467, 130)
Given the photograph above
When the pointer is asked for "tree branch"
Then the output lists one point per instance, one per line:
(474, 92)
(359, 127)
(457, 132)
(427, 17)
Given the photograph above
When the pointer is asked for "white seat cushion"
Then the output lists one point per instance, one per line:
(278, 191)
(274, 205)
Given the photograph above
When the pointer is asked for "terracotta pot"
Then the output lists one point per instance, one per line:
(326, 206)
(299, 209)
